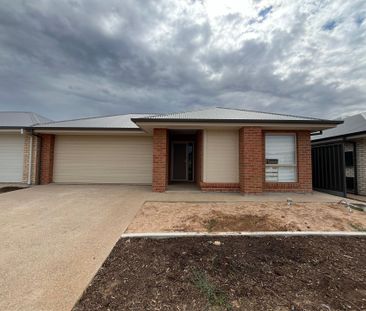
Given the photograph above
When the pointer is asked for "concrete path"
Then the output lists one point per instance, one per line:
(54, 238)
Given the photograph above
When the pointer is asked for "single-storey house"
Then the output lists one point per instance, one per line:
(16, 146)
(339, 157)
(217, 149)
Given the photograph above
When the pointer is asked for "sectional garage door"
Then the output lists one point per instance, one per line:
(103, 159)
(11, 158)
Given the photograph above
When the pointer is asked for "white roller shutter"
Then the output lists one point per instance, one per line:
(280, 158)
(103, 159)
(221, 156)
(11, 157)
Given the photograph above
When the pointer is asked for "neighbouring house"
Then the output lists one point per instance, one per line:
(17, 147)
(339, 158)
(217, 149)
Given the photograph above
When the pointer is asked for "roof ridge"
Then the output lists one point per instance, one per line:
(274, 113)
(95, 117)
(164, 114)
(35, 118)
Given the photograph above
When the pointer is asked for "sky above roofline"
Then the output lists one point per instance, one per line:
(79, 58)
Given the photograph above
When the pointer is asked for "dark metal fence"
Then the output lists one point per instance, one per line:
(329, 168)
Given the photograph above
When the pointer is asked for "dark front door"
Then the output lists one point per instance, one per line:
(182, 161)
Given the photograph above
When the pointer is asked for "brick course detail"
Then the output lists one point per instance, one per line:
(46, 155)
(220, 187)
(160, 160)
(251, 160)
(361, 165)
(34, 169)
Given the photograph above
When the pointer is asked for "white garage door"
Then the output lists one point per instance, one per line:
(103, 159)
(11, 158)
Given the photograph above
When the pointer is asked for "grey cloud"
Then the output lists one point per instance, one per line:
(77, 58)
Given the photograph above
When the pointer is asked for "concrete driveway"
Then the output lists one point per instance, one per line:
(54, 238)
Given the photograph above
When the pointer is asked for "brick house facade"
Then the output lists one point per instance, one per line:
(216, 149)
(251, 163)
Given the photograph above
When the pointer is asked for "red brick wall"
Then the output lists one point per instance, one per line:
(160, 160)
(220, 187)
(251, 160)
(199, 157)
(251, 163)
(46, 158)
(304, 171)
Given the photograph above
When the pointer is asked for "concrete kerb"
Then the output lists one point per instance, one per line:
(167, 235)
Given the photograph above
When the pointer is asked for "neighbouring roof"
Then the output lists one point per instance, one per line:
(351, 125)
(17, 119)
(219, 114)
(122, 121)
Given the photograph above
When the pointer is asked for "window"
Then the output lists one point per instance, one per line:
(280, 158)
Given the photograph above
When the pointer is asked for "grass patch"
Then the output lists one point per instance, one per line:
(215, 297)
(210, 224)
(358, 227)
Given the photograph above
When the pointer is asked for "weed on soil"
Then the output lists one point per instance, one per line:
(214, 296)
(358, 227)
(231, 273)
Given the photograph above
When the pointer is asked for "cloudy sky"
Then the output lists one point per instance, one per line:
(75, 58)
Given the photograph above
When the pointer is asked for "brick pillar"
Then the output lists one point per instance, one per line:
(160, 160)
(46, 158)
(304, 161)
(199, 157)
(251, 160)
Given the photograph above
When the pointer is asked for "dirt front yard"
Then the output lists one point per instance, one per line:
(231, 273)
(246, 216)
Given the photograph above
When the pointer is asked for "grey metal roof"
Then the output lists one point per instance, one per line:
(106, 122)
(18, 119)
(353, 124)
(219, 114)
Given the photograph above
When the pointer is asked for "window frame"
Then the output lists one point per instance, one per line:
(295, 165)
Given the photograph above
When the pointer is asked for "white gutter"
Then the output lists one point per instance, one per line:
(89, 132)
(149, 126)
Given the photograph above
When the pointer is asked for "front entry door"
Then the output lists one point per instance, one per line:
(182, 161)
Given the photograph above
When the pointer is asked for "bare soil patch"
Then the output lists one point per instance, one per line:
(231, 273)
(246, 216)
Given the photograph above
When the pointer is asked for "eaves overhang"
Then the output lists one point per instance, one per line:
(348, 136)
(14, 130)
(166, 120)
(15, 127)
(88, 131)
(313, 125)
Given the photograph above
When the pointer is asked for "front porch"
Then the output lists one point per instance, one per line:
(224, 160)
